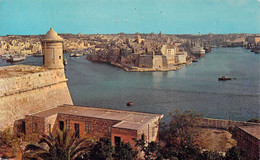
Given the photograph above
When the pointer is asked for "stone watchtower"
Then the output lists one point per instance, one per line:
(52, 49)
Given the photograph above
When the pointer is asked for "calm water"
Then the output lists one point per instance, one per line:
(194, 87)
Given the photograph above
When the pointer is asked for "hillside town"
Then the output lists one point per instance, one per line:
(48, 110)
(132, 52)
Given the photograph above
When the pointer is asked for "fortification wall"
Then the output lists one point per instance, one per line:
(145, 61)
(26, 93)
(220, 123)
(157, 61)
(170, 59)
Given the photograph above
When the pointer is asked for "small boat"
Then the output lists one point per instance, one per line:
(76, 54)
(129, 103)
(194, 60)
(224, 78)
(17, 58)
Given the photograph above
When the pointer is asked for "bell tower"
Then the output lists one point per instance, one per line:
(52, 49)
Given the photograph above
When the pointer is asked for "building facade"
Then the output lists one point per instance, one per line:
(248, 138)
(94, 123)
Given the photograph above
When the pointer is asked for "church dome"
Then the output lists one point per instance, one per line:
(51, 35)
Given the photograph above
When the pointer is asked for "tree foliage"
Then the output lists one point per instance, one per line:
(6, 137)
(62, 147)
(152, 150)
(236, 153)
(124, 151)
(179, 136)
(101, 150)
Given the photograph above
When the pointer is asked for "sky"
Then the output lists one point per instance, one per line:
(32, 17)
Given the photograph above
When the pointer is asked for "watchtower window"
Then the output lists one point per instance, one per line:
(61, 125)
(59, 57)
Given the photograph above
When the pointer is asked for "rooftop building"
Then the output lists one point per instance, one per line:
(117, 125)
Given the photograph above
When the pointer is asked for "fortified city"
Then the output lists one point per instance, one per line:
(134, 52)
(129, 80)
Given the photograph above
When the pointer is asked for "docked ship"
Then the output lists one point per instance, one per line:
(198, 51)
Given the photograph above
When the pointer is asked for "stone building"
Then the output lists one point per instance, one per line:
(116, 125)
(28, 89)
(248, 138)
(169, 57)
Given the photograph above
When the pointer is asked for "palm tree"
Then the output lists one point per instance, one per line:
(62, 147)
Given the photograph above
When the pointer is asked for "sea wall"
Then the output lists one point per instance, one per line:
(145, 61)
(157, 61)
(28, 92)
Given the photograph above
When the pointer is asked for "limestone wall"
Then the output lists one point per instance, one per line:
(145, 61)
(150, 131)
(31, 92)
(221, 123)
(157, 62)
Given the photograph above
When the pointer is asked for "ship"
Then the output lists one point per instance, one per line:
(16, 58)
(198, 51)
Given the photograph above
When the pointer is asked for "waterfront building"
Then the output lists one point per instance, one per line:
(117, 125)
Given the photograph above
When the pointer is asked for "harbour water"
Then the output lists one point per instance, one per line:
(193, 87)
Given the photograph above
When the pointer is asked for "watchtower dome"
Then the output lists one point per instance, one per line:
(52, 49)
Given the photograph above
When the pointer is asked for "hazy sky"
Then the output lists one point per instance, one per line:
(129, 16)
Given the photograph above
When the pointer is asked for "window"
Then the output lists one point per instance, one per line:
(153, 132)
(61, 125)
(35, 127)
(117, 140)
(49, 128)
(88, 127)
(109, 132)
(59, 57)
(76, 127)
(68, 124)
(142, 137)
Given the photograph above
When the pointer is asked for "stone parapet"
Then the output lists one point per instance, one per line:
(30, 89)
(30, 81)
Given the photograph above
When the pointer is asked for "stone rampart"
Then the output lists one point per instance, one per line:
(157, 61)
(221, 124)
(145, 61)
(28, 90)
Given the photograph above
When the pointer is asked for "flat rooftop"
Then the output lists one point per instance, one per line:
(18, 70)
(253, 130)
(127, 119)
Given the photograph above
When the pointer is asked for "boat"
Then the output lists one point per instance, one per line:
(194, 60)
(76, 54)
(224, 78)
(16, 58)
(129, 103)
(198, 51)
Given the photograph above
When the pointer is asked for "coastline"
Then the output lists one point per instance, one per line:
(130, 68)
